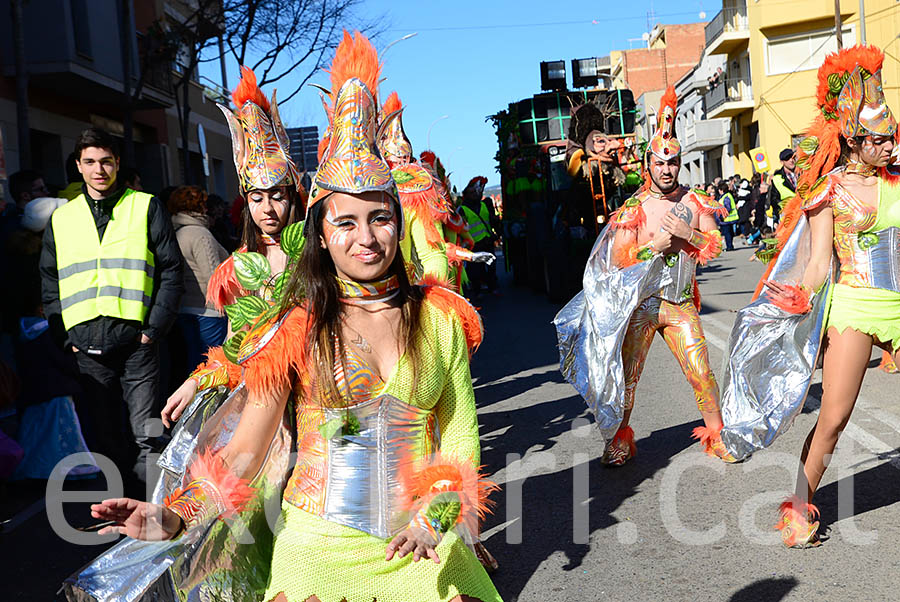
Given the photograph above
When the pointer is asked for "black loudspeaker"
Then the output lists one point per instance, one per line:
(584, 73)
(553, 75)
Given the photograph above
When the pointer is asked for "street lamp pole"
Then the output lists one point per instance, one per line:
(428, 136)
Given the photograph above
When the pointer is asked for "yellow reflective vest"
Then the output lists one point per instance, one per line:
(732, 208)
(110, 277)
(479, 227)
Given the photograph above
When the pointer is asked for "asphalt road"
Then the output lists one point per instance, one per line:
(671, 525)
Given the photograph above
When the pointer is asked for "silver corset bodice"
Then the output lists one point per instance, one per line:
(876, 258)
(680, 268)
(364, 463)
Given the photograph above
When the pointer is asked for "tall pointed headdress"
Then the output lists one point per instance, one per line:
(392, 139)
(663, 143)
(258, 139)
(350, 162)
(851, 103)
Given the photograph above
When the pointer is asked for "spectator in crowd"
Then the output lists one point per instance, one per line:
(202, 326)
(726, 224)
(745, 208)
(711, 190)
(479, 214)
(24, 186)
(22, 252)
(111, 280)
(759, 198)
(131, 179)
(219, 224)
(784, 184)
(48, 429)
(73, 177)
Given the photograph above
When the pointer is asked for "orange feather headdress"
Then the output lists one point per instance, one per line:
(393, 142)
(663, 143)
(349, 161)
(848, 81)
(259, 141)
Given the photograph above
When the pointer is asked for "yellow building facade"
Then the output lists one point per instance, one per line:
(773, 50)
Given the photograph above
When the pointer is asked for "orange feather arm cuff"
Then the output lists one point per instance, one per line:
(446, 492)
(707, 244)
(795, 302)
(214, 492)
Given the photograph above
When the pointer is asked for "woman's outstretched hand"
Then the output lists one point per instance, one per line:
(791, 298)
(140, 520)
(179, 400)
(415, 540)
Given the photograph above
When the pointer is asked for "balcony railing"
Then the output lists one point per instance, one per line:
(706, 133)
(728, 19)
(733, 89)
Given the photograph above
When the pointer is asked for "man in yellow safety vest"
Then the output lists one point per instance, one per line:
(111, 283)
(784, 185)
(480, 217)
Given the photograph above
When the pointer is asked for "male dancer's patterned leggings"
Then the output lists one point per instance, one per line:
(680, 327)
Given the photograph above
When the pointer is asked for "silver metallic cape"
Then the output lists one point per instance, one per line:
(591, 328)
(221, 560)
(771, 357)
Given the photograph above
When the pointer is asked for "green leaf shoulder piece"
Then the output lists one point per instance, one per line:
(293, 240)
(251, 269)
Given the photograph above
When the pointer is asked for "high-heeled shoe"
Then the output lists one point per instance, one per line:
(796, 529)
(620, 449)
(711, 442)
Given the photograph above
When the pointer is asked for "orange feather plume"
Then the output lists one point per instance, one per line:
(223, 287)
(283, 356)
(869, 58)
(235, 492)
(248, 90)
(355, 57)
(391, 104)
(444, 299)
(427, 156)
(669, 99)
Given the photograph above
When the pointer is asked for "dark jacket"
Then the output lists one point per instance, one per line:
(105, 334)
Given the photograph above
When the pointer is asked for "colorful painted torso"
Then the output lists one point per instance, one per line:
(862, 232)
(367, 440)
(643, 214)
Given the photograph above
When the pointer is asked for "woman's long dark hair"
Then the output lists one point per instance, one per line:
(313, 284)
(251, 235)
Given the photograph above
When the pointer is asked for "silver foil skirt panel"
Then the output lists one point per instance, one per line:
(771, 357)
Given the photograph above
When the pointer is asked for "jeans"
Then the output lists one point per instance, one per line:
(727, 231)
(118, 385)
(201, 333)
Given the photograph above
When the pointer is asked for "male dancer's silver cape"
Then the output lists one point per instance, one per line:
(591, 328)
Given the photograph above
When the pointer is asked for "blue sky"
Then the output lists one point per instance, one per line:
(472, 58)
